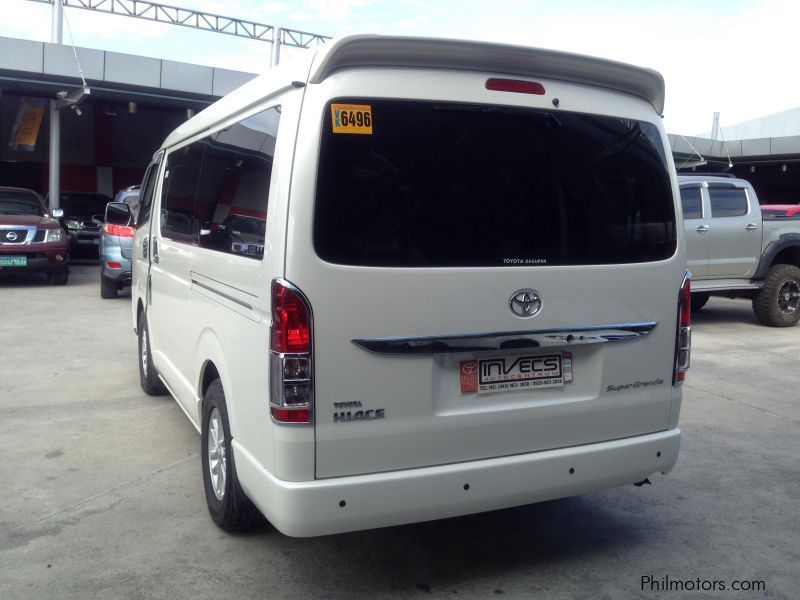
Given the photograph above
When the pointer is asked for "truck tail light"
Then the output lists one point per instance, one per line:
(683, 338)
(291, 359)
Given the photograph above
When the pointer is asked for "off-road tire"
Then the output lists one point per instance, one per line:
(108, 288)
(148, 376)
(778, 295)
(699, 300)
(58, 278)
(234, 511)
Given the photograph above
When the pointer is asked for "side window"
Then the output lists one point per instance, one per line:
(231, 207)
(692, 202)
(727, 202)
(179, 193)
(146, 198)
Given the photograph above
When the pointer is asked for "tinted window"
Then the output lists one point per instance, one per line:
(727, 201)
(149, 185)
(436, 184)
(231, 206)
(692, 202)
(181, 180)
(20, 203)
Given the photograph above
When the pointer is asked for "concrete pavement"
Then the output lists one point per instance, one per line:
(102, 495)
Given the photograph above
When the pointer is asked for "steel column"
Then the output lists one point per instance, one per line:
(54, 186)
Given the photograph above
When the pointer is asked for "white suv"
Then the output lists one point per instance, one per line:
(467, 292)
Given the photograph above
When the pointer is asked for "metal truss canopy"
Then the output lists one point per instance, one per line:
(195, 19)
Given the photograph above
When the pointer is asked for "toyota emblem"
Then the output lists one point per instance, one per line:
(11, 236)
(525, 303)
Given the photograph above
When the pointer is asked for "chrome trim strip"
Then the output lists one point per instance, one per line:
(507, 340)
(223, 294)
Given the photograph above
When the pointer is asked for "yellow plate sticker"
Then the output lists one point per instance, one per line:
(352, 118)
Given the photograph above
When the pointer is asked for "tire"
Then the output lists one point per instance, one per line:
(108, 288)
(778, 302)
(58, 278)
(699, 301)
(228, 505)
(148, 376)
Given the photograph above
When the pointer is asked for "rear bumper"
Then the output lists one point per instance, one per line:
(83, 240)
(305, 509)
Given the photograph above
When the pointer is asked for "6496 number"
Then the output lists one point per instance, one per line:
(357, 118)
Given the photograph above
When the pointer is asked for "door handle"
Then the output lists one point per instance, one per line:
(702, 228)
(155, 250)
(145, 246)
(751, 227)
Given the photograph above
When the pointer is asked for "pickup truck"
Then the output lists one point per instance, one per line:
(733, 250)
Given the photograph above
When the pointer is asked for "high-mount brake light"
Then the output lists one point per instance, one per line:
(683, 337)
(119, 230)
(518, 86)
(291, 383)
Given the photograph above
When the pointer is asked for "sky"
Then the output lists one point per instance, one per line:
(735, 57)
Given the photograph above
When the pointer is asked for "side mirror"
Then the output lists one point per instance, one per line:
(118, 213)
(57, 213)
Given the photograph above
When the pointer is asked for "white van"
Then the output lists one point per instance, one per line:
(406, 279)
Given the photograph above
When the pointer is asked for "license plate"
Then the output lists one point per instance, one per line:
(13, 261)
(515, 373)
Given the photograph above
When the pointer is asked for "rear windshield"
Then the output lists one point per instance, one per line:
(432, 184)
(20, 203)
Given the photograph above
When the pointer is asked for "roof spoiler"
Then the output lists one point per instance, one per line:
(521, 61)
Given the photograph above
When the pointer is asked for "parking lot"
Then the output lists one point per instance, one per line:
(102, 495)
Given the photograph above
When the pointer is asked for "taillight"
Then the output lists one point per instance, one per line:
(291, 382)
(517, 86)
(114, 265)
(683, 338)
(119, 230)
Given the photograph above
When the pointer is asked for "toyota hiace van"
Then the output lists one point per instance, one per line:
(404, 279)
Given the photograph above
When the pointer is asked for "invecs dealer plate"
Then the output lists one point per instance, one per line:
(515, 373)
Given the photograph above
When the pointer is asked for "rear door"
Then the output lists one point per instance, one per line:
(697, 227)
(439, 234)
(141, 242)
(735, 240)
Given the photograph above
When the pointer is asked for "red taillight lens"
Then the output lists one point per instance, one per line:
(290, 321)
(284, 415)
(119, 230)
(291, 363)
(686, 303)
(498, 84)
(683, 339)
(113, 265)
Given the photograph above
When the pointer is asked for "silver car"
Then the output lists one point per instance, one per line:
(116, 249)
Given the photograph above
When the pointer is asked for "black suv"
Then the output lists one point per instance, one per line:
(83, 219)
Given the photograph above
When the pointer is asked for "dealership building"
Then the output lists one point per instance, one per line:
(109, 137)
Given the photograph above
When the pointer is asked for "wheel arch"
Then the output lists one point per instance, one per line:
(786, 250)
(213, 366)
(139, 313)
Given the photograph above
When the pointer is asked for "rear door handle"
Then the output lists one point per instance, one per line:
(702, 228)
(145, 246)
(751, 227)
(155, 250)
